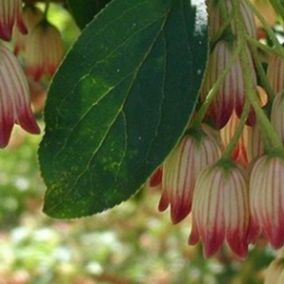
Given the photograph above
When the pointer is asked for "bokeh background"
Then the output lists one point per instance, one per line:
(132, 243)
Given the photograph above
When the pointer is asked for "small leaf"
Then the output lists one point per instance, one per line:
(120, 102)
(83, 14)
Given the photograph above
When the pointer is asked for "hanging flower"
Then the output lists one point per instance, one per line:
(11, 14)
(220, 209)
(267, 199)
(14, 97)
(44, 50)
(231, 94)
(240, 153)
(32, 16)
(180, 170)
(216, 19)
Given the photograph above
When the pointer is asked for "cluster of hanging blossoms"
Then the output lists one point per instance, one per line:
(227, 171)
(39, 48)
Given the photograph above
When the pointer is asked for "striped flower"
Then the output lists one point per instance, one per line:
(277, 114)
(44, 50)
(216, 20)
(14, 97)
(32, 16)
(220, 209)
(230, 95)
(275, 73)
(180, 170)
(239, 154)
(11, 14)
(267, 199)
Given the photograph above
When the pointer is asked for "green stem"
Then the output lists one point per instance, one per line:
(278, 8)
(215, 88)
(252, 97)
(263, 47)
(47, 4)
(236, 137)
(262, 75)
(269, 31)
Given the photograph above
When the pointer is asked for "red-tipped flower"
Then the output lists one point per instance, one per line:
(44, 50)
(220, 209)
(14, 97)
(11, 14)
(231, 94)
(267, 199)
(180, 170)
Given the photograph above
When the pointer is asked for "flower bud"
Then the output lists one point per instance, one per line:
(267, 199)
(44, 50)
(180, 170)
(11, 14)
(14, 97)
(220, 209)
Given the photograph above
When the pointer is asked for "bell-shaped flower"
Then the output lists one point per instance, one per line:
(180, 170)
(277, 114)
(216, 19)
(11, 14)
(44, 50)
(231, 94)
(14, 97)
(32, 16)
(267, 199)
(220, 209)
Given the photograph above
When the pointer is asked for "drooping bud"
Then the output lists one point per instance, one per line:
(180, 170)
(32, 16)
(267, 199)
(11, 14)
(44, 50)
(14, 97)
(220, 210)
(277, 114)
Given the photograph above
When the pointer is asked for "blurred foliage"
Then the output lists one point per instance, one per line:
(132, 243)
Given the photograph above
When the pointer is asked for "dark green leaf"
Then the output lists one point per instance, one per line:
(84, 13)
(120, 102)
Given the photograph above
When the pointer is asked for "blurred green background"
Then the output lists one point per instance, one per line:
(133, 243)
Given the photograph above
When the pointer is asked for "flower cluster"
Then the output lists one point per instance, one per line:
(229, 176)
(40, 46)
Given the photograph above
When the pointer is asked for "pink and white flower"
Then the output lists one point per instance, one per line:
(180, 170)
(14, 97)
(220, 209)
(11, 14)
(267, 199)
